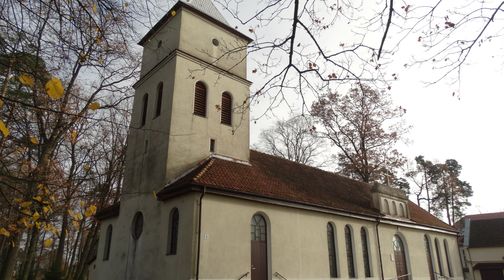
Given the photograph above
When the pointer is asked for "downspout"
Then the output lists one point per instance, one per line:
(199, 232)
(379, 248)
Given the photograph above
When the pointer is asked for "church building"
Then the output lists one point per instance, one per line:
(197, 203)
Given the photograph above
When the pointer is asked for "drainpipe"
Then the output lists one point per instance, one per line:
(199, 233)
(379, 248)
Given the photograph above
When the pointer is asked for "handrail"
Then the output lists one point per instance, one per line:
(244, 275)
(278, 275)
(441, 276)
(400, 277)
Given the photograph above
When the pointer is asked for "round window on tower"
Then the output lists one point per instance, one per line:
(137, 225)
(215, 42)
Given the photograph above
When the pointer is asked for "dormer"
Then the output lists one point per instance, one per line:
(390, 201)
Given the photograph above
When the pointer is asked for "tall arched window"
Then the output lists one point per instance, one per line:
(394, 208)
(226, 108)
(448, 263)
(173, 226)
(145, 103)
(349, 251)
(386, 207)
(333, 267)
(400, 258)
(438, 254)
(365, 252)
(159, 99)
(259, 248)
(137, 225)
(428, 253)
(200, 99)
(108, 239)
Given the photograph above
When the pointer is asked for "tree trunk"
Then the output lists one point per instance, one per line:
(30, 255)
(58, 260)
(9, 265)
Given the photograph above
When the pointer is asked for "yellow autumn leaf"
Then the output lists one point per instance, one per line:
(37, 224)
(35, 216)
(26, 80)
(94, 106)
(46, 209)
(90, 211)
(173, 13)
(54, 88)
(37, 198)
(34, 140)
(73, 136)
(82, 203)
(95, 8)
(48, 243)
(1, 103)
(4, 129)
(87, 167)
(4, 232)
(75, 224)
(26, 204)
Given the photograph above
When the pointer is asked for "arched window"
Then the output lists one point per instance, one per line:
(349, 251)
(145, 103)
(394, 208)
(438, 254)
(173, 225)
(402, 213)
(259, 247)
(333, 267)
(428, 253)
(159, 99)
(448, 263)
(400, 258)
(226, 108)
(137, 225)
(365, 252)
(386, 207)
(200, 99)
(108, 239)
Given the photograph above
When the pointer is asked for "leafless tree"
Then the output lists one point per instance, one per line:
(293, 139)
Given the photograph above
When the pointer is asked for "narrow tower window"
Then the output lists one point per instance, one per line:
(145, 103)
(200, 99)
(226, 108)
(333, 268)
(137, 225)
(108, 239)
(212, 145)
(365, 252)
(349, 251)
(159, 99)
(173, 232)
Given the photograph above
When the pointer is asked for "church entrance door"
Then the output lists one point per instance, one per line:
(259, 249)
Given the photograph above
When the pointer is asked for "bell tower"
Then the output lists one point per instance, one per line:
(190, 101)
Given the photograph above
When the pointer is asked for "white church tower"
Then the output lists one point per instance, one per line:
(188, 106)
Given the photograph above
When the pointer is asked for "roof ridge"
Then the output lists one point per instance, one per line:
(204, 169)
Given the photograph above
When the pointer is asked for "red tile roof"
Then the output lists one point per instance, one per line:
(281, 179)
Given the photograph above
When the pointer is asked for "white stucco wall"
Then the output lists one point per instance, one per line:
(298, 242)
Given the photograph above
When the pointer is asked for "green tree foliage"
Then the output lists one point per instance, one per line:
(365, 127)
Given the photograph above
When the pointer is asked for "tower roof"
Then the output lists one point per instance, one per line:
(206, 7)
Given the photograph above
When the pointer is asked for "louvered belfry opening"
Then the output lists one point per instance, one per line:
(200, 98)
(226, 108)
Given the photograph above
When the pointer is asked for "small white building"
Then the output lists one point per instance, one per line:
(482, 246)
(198, 204)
